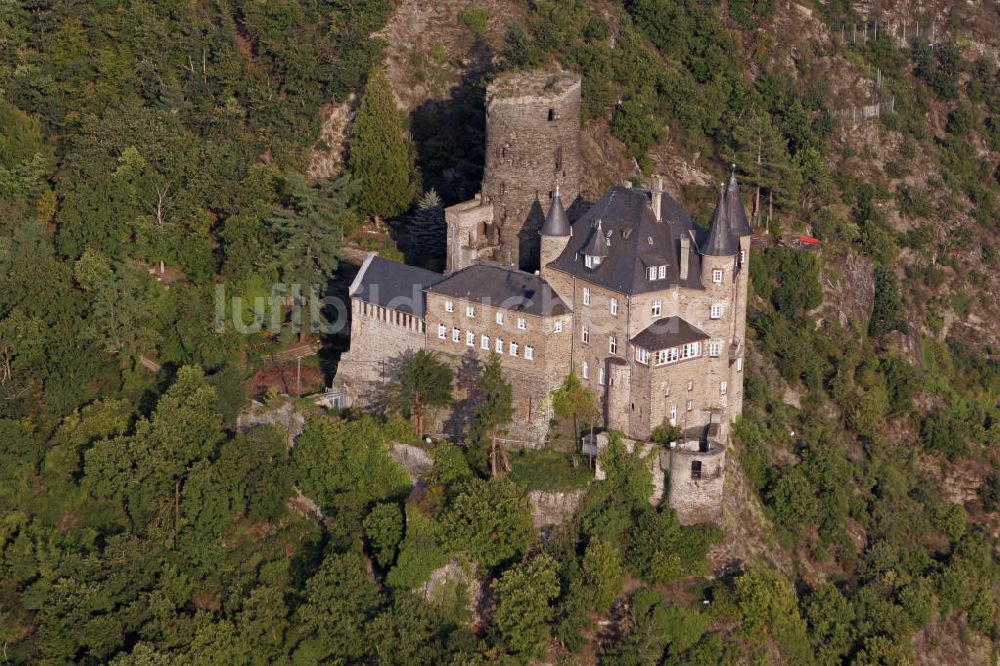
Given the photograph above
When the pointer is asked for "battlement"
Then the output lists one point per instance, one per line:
(531, 85)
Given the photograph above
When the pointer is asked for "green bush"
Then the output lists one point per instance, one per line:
(475, 20)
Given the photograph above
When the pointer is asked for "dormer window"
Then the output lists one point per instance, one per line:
(657, 272)
(591, 262)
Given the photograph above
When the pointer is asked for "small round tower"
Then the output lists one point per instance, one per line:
(532, 147)
(697, 476)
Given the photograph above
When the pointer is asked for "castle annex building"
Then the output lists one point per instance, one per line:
(648, 308)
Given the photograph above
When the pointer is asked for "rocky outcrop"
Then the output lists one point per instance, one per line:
(553, 508)
(285, 415)
(413, 459)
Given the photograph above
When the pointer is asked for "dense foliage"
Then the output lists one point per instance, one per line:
(152, 154)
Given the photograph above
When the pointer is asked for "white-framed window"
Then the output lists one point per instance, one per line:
(470, 311)
(529, 352)
(586, 296)
(665, 356)
(690, 385)
(470, 339)
(614, 307)
(743, 256)
(513, 348)
(499, 317)
(714, 348)
(657, 306)
(652, 272)
(586, 370)
(558, 327)
(739, 364)
(716, 312)
(456, 335)
(690, 405)
(522, 324)
(600, 376)
(499, 345)
(591, 261)
(442, 332)
(717, 275)
(723, 388)
(661, 272)
(613, 345)
(690, 350)
(484, 342)
(673, 415)
(449, 306)
(585, 334)
(666, 389)
(642, 355)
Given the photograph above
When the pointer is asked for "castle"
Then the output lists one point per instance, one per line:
(648, 308)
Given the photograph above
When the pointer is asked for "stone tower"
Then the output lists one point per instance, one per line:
(532, 147)
(724, 272)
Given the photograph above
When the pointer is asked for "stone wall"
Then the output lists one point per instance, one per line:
(472, 235)
(553, 508)
(532, 145)
(380, 339)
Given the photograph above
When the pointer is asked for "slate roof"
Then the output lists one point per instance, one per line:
(668, 332)
(636, 242)
(729, 222)
(393, 285)
(598, 243)
(557, 221)
(504, 288)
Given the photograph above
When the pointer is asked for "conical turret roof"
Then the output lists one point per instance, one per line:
(556, 222)
(729, 223)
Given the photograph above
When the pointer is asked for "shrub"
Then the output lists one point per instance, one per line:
(474, 19)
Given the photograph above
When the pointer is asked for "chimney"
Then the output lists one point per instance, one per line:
(685, 256)
(656, 196)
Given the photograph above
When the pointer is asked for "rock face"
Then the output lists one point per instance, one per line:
(450, 583)
(553, 508)
(849, 285)
(285, 415)
(413, 459)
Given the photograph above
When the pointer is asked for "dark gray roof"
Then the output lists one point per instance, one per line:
(504, 288)
(598, 243)
(637, 241)
(556, 222)
(734, 202)
(729, 222)
(669, 332)
(394, 285)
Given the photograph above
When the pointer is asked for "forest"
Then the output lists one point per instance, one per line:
(152, 151)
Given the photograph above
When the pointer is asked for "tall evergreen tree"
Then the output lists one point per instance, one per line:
(309, 228)
(494, 412)
(382, 154)
(761, 154)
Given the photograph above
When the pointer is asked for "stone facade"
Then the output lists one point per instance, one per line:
(646, 307)
(467, 343)
(380, 337)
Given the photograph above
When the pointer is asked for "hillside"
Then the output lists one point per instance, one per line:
(152, 154)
